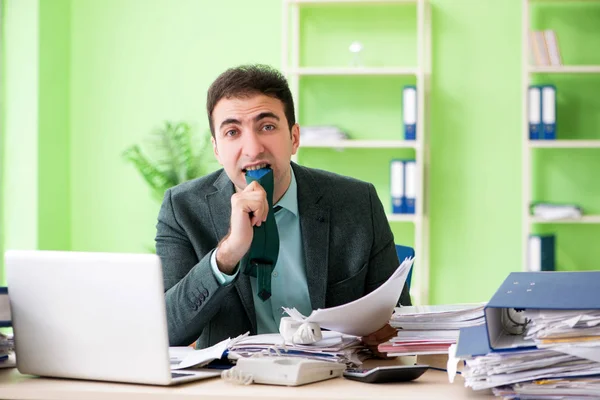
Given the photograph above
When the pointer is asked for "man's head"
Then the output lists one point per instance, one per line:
(251, 116)
(247, 81)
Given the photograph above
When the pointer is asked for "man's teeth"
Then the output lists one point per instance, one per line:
(260, 166)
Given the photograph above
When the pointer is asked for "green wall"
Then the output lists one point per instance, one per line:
(112, 71)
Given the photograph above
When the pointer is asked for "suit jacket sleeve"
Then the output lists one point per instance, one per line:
(192, 292)
(383, 260)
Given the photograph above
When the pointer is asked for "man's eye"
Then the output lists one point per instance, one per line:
(230, 132)
(269, 127)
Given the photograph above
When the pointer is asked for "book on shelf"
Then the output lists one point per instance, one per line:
(543, 48)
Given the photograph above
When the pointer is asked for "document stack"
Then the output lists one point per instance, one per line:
(541, 338)
(322, 133)
(334, 347)
(430, 329)
(7, 346)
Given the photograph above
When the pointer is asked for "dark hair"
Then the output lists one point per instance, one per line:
(249, 80)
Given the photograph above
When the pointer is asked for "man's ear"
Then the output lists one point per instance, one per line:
(215, 149)
(295, 138)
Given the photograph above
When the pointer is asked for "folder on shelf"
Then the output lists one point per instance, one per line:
(548, 112)
(541, 48)
(409, 112)
(410, 185)
(535, 112)
(541, 253)
(536, 290)
(397, 186)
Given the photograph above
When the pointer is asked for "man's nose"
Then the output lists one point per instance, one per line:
(253, 146)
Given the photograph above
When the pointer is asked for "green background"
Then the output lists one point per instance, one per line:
(84, 79)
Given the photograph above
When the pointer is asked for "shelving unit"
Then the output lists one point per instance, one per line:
(295, 70)
(529, 146)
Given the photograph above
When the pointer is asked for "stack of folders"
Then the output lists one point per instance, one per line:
(334, 347)
(409, 112)
(403, 186)
(544, 49)
(541, 338)
(430, 329)
(542, 112)
(555, 212)
(322, 133)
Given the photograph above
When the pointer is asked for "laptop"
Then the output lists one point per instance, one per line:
(96, 316)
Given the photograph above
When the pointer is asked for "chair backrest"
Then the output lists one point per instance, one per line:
(404, 252)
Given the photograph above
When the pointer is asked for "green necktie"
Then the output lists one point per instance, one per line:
(260, 260)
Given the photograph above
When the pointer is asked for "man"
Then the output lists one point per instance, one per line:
(335, 242)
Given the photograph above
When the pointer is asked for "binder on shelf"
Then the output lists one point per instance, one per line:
(409, 112)
(535, 112)
(541, 253)
(410, 185)
(5, 317)
(577, 290)
(549, 112)
(397, 186)
(552, 45)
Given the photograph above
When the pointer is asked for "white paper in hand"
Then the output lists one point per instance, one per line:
(365, 315)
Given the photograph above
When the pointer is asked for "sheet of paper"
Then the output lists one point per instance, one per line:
(365, 315)
(199, 358)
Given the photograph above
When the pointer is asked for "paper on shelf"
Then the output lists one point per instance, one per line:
(368, 314)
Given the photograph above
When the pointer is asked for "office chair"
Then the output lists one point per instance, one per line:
(404, 252)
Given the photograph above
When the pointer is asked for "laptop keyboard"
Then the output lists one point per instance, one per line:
(179, 375)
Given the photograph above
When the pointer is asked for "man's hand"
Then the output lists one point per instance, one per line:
(249, 208)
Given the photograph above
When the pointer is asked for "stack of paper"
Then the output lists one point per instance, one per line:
(564, 364)
(7, 345)
(334, 347)
(430, 329)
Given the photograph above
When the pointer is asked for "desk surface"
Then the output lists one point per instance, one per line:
(431, 385)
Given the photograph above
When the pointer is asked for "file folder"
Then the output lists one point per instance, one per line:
(541, 253)
(549, 112)
(410, 185)
(535, 112)
(536, 290)
(397, 187)
(409, 112)
(473, 341)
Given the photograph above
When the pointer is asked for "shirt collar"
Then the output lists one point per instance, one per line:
(289, 201)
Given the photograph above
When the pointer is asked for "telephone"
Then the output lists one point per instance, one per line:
(286, 371)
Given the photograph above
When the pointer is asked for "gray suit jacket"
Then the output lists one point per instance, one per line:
(348, 248)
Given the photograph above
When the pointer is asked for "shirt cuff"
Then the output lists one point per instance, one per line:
(223, 279)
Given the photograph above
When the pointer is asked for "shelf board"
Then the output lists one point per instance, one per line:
(402, 217)
(586, 219)
(354, 71)
(566, 69)
(565, 144)
(368, 2)
(361, 144)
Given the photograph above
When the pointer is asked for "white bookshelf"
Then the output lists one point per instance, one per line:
(528, 71)
(360, 144)
(564, 144)
(355, 71)
(294, 70)
(586, 219)
(565, 69)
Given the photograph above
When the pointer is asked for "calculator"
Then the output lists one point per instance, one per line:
(394, 373)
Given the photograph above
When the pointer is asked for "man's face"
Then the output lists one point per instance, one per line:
(253, 131)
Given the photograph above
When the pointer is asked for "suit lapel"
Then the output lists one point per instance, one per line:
(314, 225)
(219, 205)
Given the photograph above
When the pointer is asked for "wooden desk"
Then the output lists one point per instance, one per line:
(431, 385)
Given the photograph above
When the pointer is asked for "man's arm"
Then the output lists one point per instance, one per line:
(383, 260)
(192, 292)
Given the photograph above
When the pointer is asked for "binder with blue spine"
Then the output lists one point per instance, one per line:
(541, 253)
(548, 112)
(409, 112)
(397, 187)
(410, 185)
(535, 112)
(536, 290)
(5, 316)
